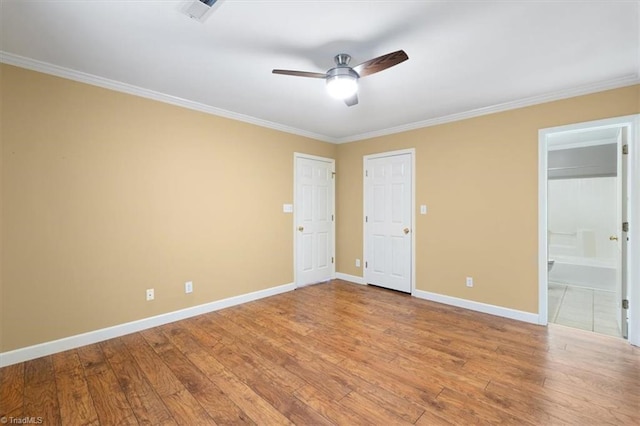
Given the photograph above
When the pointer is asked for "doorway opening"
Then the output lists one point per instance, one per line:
(585, 207)
(583, 201)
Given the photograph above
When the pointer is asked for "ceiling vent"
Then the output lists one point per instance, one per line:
(199, 8)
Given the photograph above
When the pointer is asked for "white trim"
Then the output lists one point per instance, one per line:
(72, 342)
(621, 211)
(617, 83)
(412, 153)
(351, 278)
(606, 123)
(118, 86)
(478, 307)
(543, 254)
(633, 249)
(633, 173)
(413, 220)
(47, 68)
(563, 146)
(331, 161)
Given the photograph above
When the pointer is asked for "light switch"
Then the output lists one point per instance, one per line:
(287, 208)
(423, 209)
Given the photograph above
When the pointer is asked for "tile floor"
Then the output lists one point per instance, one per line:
(584, 308)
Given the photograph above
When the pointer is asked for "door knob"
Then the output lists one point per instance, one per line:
(406, 231)
(300, 228)
(613, 238)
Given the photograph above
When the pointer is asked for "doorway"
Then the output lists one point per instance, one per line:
(314, 219)
(585, 206)
(583, 211)
(389, 222)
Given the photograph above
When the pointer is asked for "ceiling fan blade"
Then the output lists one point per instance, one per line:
(301, 73)
(380, 63)
(351, 101)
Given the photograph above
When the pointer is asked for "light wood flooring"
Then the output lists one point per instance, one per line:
(334, 353)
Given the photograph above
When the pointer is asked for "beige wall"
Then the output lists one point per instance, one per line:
(106, 194)
(1, 210)
(478, 178)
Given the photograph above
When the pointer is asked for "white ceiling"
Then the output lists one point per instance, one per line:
(466, 57)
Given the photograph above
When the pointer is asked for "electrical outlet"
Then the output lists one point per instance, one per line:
(150, 294)
(469, 281)
(357, 263)
(188, 287)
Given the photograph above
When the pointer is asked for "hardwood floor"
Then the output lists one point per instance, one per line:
(334, 353)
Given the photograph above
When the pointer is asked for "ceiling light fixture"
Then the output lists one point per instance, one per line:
(342, 82)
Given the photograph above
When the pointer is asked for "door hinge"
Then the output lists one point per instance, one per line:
(366, 173)
(333, 175)
(625, 226)
(366, 219)
(625, 149)
(331, 218)
(332, 260)
(366, 264)
(625, 304)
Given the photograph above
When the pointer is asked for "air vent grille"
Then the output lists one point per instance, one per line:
(199, 8)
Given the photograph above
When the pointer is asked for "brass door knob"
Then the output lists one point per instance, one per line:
(300, 228)
(613, 238)
(406, 231)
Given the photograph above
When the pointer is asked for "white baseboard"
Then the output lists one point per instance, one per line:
(72, 342)
(477, 306)
(351, 278)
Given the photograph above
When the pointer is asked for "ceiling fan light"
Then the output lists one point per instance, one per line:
(342, 86)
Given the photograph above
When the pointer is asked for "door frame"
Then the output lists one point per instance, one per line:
(412, 153)
(296, 156)
(632, 122)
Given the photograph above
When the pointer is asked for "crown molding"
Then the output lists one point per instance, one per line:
(617, 83)
(47, 68)
(82, 77)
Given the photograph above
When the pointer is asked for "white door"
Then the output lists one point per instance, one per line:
(622, 235)
(314, 220)
(388, 221)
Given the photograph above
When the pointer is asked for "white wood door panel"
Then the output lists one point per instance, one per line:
(379, 258)
(323, 250)
(307, 252)
(397, 257)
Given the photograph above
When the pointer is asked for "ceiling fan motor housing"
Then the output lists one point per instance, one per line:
(341, 72)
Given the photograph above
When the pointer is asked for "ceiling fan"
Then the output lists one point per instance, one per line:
(342, 80)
